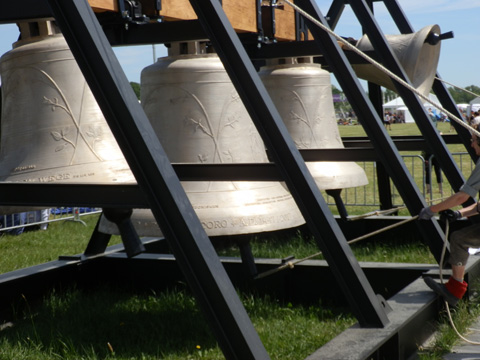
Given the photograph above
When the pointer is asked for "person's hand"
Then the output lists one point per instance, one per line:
(450, 215)
(425, 214)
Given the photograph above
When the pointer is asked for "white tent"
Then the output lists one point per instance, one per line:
(475, 104)
(397, 105)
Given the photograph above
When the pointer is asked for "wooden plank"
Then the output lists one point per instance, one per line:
(103, 5)
(177, 10)
(242, 15)
(285, 23)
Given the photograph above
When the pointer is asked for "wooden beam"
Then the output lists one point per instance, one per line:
(285, 23)
(103, 5)
(242, 16)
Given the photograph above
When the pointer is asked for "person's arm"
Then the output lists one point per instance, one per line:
(470, 210)
(456, 199)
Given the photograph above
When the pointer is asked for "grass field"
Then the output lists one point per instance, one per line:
(112, 323)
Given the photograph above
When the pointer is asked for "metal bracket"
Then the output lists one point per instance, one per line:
(266, 23)
(131, 11)
(301, 29)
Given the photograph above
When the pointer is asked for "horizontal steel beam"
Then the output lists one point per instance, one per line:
(121, 195)
(14, 11)
(153, 33)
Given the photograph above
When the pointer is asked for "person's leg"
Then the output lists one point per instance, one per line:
(460, 242)
(458, 272)
(428, 172)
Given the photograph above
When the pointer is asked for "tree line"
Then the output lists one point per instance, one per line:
(460, 96)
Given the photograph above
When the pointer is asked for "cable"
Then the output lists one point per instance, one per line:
(377, 212)
(382, 68)
(291, 264)
(458, 87)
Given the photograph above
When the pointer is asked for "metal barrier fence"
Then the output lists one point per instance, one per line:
(367, 195)
(16, 224)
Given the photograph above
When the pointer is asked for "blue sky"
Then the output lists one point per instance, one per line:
(459, 56)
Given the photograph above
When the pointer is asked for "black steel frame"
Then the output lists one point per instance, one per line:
(159, 187)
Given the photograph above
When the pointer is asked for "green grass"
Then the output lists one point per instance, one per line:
(393, 247)
(446, 337)
(397, 129)
(79, 324)
(114, 324)
(37, 247)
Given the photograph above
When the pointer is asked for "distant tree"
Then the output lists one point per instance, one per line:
(461, 96)
(335, 90)
(136, 89)
(389, 95)
(342, 108)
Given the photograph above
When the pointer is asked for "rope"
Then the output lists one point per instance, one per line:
(379, 231)
(389, 211)
(382, 68)
(377, 212)
(437, 199)
(458, 87)
(291, 264)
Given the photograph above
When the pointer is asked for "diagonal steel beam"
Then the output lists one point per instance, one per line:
(334, 12)
(195, 254)
(364, 303)
(373, 125)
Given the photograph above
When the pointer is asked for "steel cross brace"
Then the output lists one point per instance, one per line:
(371, 121)
(191, 246)
(364, 303)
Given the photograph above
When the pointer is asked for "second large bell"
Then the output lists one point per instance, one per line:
(200, 118)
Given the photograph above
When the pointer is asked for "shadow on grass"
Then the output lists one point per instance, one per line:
(117, 323)
(112, 321)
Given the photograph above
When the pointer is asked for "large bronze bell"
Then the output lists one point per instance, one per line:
(52, 130)
(199, 118)
(418, 53)
(302, 93)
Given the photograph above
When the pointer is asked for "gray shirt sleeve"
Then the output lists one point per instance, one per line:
(472, 186)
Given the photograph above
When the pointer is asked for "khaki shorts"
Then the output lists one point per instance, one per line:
(460, 241)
